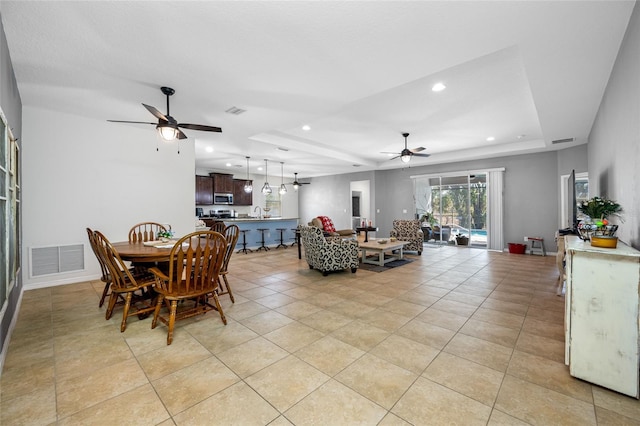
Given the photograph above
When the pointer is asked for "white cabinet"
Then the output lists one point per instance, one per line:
(601, 315)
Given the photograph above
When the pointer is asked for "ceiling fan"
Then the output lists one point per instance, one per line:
(406, 154)
(297, 184)
(167, 126)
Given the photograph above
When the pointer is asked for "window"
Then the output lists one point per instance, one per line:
(9, 210)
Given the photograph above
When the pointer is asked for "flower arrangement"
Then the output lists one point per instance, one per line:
(165, 235)
(596, 225)
(599, 208)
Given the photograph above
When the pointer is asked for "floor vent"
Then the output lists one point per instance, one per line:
(56, 260)
(562, 140)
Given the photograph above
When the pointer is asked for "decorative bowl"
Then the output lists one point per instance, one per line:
(383, 241)
(393, 239)
(604, 241)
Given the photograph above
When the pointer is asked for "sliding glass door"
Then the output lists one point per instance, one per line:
(451, 206)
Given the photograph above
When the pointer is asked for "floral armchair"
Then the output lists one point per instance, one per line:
(409, 230)
(326, 225)
(328, 255)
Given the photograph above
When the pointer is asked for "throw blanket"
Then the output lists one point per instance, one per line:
(327, 224)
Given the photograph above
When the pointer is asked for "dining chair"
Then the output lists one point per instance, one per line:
(106, 277)
(194, 264)
(231, 234)
(145, 231)
(218, 227)
(125, 284)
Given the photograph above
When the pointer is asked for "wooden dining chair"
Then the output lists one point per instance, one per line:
(218, 227)
(194, 264)
(136, 291)
(106, 277)
(231, 234)
(145, 231)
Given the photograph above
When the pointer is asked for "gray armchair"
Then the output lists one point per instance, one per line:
(326, 255)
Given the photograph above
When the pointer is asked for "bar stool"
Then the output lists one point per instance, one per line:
(281, 240)
(244, 248)
(537, 243)
(262, 246)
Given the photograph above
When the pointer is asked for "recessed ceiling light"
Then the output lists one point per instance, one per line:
(521, 136)
(209, 149)
(228, 164)
(438, 87)
(306, 127)
(491, 139)
(260, 168)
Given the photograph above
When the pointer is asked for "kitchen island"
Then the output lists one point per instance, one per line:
(271, 235)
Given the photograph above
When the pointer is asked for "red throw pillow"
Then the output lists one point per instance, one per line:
(327, 224)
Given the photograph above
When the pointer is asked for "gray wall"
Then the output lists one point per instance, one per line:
(614, 143)
(531, 193)
(12, 108)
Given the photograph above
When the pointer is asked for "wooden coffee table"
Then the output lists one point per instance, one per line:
(375, 247)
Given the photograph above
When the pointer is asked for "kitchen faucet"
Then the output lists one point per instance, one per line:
(258, 207)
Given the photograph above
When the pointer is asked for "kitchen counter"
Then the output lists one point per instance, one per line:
(271, 235)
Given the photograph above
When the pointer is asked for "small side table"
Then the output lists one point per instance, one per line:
(366, 230)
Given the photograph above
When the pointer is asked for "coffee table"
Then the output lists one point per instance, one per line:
(375, 247)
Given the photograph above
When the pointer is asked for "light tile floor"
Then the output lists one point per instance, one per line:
(459, 336)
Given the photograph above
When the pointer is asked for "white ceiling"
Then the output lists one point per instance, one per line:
(358, 73)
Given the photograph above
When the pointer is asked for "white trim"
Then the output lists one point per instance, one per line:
(458, 173)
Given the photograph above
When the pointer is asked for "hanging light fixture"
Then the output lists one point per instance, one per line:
(266, 189)
(167, 131)
(248, 187)
(283, 189)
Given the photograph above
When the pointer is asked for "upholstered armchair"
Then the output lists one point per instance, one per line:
(328, 255)
(408, 230)
(326, 225)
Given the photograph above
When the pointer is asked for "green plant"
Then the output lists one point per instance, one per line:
(600, 208)
(428, 217)
(165, 234)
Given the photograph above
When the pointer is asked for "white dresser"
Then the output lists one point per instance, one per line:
(601, 315)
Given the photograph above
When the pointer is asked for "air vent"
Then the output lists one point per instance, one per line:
(562, 141)
(57, 259)
(235, 111)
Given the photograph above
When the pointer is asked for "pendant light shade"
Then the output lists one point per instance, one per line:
(266, 189)
(248, 187)
(167, 132)
(283, 189)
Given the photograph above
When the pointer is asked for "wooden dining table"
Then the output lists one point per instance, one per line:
(138, 252)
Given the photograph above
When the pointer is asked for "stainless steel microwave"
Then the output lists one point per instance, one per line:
(222, 198)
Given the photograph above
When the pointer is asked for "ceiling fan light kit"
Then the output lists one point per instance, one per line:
(406, 154)
(168, 127)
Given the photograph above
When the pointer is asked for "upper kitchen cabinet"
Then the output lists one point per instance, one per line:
(204, 190)
(241, 198)
(222, 183)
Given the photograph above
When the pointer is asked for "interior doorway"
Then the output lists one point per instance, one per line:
(360, 202)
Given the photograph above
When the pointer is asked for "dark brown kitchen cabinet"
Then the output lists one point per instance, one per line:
(222, 183)
(204, 190)
(241, 198)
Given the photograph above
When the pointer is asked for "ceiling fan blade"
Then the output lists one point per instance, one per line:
(181, 135)
(422, 155)
(134, 122)
(418, 149)
(387, 152)
(393, 158)
(200, 127)
(155, 112)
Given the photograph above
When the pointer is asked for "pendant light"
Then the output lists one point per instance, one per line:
(283, 189)
(266, 189)
(248, 187)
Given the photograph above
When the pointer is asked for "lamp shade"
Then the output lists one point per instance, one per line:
(168, 133)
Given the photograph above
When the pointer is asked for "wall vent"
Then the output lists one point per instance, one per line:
(563, 140)
(56, 259)
(235, 110)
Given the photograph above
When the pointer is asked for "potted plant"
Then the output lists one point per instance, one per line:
(596, 227)
(165, 235)
(462, 240)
